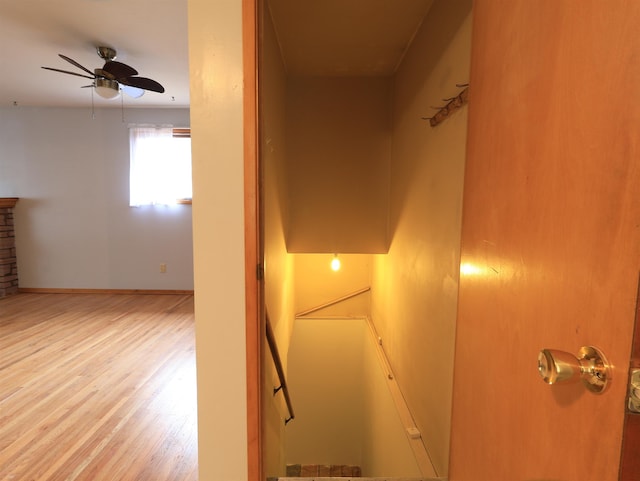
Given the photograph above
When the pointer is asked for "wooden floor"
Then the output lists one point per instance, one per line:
(97, 387)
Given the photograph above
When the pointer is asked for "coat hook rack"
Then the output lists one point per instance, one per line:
(453, 104)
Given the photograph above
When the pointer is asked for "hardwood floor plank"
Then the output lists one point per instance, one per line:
(97, 387)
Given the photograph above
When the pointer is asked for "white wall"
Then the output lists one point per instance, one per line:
(74, 226)
(216, 78)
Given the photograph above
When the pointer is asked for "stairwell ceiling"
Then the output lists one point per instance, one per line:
(321, 37)
(345, 37)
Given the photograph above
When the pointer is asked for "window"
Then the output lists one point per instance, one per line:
(160, 165)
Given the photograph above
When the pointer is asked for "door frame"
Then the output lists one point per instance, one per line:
(252, 229)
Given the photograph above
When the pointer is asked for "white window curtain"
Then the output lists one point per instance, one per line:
(160, 166)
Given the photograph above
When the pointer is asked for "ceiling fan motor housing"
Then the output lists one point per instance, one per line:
(106, 53)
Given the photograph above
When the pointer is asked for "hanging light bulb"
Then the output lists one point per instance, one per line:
(335, 263)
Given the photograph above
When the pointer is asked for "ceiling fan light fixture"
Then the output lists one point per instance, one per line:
(106, 88)
(113, 77)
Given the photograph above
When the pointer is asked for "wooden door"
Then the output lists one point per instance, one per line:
(551, 237)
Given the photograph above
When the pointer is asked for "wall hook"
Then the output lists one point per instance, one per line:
(453, 104)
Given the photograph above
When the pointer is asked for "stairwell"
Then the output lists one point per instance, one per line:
(384, 431)
(349, 399)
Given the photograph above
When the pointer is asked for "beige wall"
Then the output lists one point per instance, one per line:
(279, 275)
(414, 290)
(316, 284)
(346, 411)
(278, 263)
(327, 386)
(338, 151)
(216, 77)
(385, 446)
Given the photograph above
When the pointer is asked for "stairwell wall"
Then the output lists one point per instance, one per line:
(414, 288)
(278, 263)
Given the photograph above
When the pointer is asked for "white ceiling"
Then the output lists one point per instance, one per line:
(149, 35)
(320, 37)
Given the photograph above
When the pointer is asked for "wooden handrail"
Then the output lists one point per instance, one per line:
(332, 302)
(422, 457)
(273, 347)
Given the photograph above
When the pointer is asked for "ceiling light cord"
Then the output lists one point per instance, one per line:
(93, 109)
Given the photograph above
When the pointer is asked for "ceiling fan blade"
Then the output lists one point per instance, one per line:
(119, 70)
(73, 62)
(142, 83)
(70, 73)
(133, 92)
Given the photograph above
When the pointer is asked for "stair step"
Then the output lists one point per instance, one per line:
(323, 470)
(336, 472)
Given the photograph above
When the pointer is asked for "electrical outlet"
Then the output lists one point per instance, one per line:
(163, 268)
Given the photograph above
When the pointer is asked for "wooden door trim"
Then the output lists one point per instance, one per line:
(251, 235)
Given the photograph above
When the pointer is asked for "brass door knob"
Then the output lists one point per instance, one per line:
(589, 365)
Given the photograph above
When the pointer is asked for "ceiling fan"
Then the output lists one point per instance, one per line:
(113, 76)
